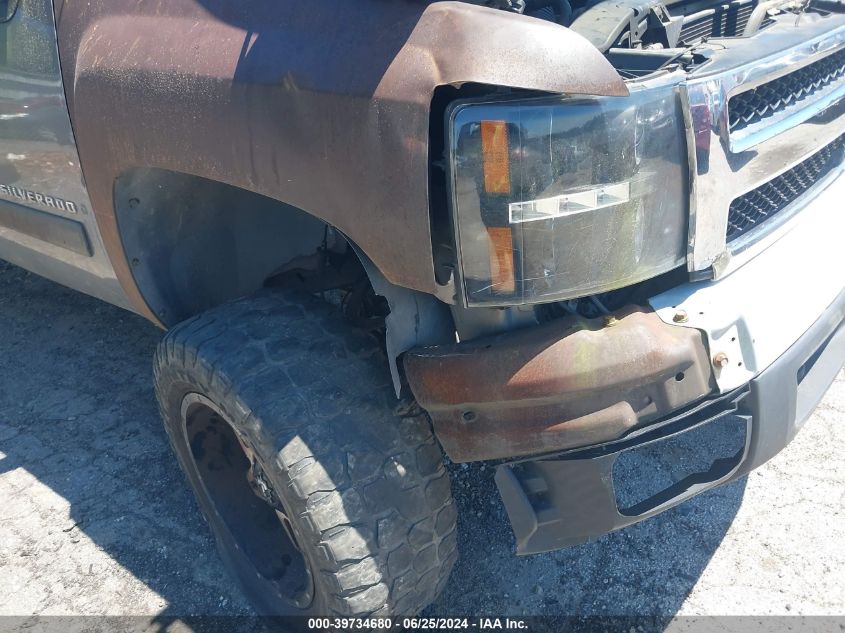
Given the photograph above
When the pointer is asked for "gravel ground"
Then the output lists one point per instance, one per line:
(95, 517)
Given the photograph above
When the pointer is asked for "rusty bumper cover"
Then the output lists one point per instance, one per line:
(562, 385)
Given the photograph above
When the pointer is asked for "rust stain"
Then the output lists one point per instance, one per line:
(560, 385)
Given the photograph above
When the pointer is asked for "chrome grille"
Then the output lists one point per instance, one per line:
(764, 202)
(753, 106)
(749, 184)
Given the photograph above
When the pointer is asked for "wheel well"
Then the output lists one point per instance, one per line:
(194, 243)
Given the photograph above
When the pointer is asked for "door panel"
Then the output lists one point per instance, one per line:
(46, 224)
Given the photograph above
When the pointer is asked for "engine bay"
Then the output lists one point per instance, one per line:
(640, 37)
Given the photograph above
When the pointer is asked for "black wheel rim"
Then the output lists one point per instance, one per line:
(237, 487)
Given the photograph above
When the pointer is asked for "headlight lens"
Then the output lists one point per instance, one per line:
(557, 198)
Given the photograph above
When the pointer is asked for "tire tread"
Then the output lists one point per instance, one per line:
(383, 474)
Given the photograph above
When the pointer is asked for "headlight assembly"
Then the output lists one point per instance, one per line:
(555, 198)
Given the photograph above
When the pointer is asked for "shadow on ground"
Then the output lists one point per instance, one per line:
(77, 412)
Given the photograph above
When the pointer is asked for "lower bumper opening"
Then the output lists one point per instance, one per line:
(572, 497)
(648, 476)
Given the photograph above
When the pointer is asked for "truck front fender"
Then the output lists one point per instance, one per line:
(321, 104)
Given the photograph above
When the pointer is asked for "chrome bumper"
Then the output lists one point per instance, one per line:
(755, 314)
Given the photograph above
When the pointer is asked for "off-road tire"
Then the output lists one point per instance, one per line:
(361, 479)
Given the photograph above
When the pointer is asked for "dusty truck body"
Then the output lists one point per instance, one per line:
(546, 234)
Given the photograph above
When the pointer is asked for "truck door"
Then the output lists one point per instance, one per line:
(46, 224)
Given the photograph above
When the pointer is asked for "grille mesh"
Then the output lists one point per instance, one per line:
(757, 206)
(775, 96)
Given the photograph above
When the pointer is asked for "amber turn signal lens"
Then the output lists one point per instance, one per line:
(501, 259)
(495, 156)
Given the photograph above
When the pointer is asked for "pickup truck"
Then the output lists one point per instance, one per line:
(545, 234)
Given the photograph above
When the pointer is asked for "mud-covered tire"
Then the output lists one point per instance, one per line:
(360, 478)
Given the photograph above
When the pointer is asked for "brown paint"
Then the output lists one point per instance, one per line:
(322, 104)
